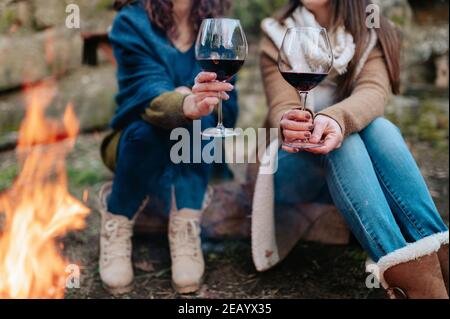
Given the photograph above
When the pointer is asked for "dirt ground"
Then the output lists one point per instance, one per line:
(310, 271)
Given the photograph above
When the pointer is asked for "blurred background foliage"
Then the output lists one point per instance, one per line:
(251, 12)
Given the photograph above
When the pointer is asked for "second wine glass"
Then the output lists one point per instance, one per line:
(221, 48)
(305, 59)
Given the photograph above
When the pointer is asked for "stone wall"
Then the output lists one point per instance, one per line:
(36, 44)
(425, 31)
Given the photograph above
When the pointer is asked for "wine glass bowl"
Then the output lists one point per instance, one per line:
(221, 48)
(304, 61)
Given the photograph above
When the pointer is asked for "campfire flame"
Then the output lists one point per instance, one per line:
(38, 208)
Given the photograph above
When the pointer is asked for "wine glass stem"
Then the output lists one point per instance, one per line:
(303, 98)
(220, 114)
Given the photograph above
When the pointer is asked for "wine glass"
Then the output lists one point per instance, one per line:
(305, 59)
(221, 48)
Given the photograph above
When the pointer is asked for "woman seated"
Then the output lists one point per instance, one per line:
(160, 88)
(364, 166)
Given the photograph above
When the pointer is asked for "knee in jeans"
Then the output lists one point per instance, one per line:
(383, 133)
(350, 152)
(381, 126)
(146, 135)
(351, 144)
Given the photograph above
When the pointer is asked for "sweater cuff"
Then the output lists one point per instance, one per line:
(166, 111)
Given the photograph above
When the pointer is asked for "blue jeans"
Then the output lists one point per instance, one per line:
(375, 183)
(144, 169)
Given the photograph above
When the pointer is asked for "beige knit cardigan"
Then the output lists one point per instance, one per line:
(274, 235)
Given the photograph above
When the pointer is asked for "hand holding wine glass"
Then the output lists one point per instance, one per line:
(329, 132)
(205, 95)
(304, 61)
(296, 125)
(221, 48)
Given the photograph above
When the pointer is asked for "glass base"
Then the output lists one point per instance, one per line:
(302, 145)
(219, 132)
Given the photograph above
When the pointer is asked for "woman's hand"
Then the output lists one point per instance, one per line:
(205, 95)
(329, 132)
(296, 125)
(183, 90)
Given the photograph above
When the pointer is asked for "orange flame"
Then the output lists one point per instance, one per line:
(85, 195)
(38, 208)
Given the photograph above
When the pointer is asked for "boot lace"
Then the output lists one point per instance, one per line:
(185, 237)
(117, 240)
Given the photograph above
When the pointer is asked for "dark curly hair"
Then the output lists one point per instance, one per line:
(161, 12)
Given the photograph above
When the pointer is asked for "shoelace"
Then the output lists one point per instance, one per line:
(185, 234)
(117, 239)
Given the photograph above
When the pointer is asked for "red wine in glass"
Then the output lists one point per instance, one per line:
(225, 69)
(221, 48)
(304, 82)
(305, 60)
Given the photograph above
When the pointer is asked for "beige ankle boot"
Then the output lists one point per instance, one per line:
(188, 265)
(116, 269)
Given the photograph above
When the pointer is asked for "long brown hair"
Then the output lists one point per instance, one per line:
(352, 15)
(161, 12)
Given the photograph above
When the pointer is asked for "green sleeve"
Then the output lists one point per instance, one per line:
(166, 111)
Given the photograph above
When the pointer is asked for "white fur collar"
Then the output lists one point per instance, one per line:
(341, 41)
